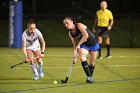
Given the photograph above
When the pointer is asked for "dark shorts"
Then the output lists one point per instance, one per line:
(91, 48)
(102, 32)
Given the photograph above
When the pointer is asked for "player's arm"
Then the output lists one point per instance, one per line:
(24, 50)
(75, 50)
(110, 24)
(95, 23)
(82, 28)
(42, 42)
(24, 45)
(72, 40)
(111, 21)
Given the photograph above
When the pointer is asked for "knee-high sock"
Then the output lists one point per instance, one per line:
(40, 67)
(33, 67)
(91, 69)
(86, 68)
(108, 49)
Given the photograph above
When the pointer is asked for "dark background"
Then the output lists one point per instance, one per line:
(49, 15)
(65, 6)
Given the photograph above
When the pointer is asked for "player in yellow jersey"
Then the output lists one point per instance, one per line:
(104, 22)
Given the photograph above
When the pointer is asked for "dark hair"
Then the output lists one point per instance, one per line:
(30, 22)
(70, 18)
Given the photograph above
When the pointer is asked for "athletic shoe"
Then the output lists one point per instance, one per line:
(99, 57)
(108, 56)
(41, 74)
(35, 77)
(89, 79)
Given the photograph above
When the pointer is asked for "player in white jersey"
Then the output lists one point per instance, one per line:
(33, 44)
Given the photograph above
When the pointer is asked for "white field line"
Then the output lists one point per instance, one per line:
(127, 56)
(66, 67)
(124, 65)
(121, 56)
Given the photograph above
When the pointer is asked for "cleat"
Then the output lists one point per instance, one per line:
(35, 77)
(89, 79)
(108, 56)
(41, 74)
(99, 57)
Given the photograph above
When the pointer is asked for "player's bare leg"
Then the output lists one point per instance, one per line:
(32, 64)
(100, 44)
(40, 63)
(83, 57)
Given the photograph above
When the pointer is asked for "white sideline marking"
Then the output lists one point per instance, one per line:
(124, 65)
(122, 56)
(80, 67)
(127, 56)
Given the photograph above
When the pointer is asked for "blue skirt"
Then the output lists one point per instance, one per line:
(91, 48)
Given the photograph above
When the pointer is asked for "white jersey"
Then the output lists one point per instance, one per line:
(32, 43)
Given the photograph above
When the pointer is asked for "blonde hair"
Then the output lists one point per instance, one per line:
(103, 2)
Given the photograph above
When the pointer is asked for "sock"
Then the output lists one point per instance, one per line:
(91, 69)
(86, 68)
(40, 67)
(108, 49)
(33, 67)
(99, 50)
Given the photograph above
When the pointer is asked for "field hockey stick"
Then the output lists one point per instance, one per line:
(24, 62)
(71, 67)
(68, 74)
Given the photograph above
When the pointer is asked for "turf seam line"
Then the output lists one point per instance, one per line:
(63, 86)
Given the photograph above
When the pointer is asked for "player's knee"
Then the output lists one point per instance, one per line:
(100, 41)
(40, 61)
(107, 42)
(92, 63)
(31, 62)
(83, 58)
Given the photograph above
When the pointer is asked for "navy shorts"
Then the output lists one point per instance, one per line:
(102, 32)
(91, 48)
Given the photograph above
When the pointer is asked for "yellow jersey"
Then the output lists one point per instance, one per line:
(104, 17)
